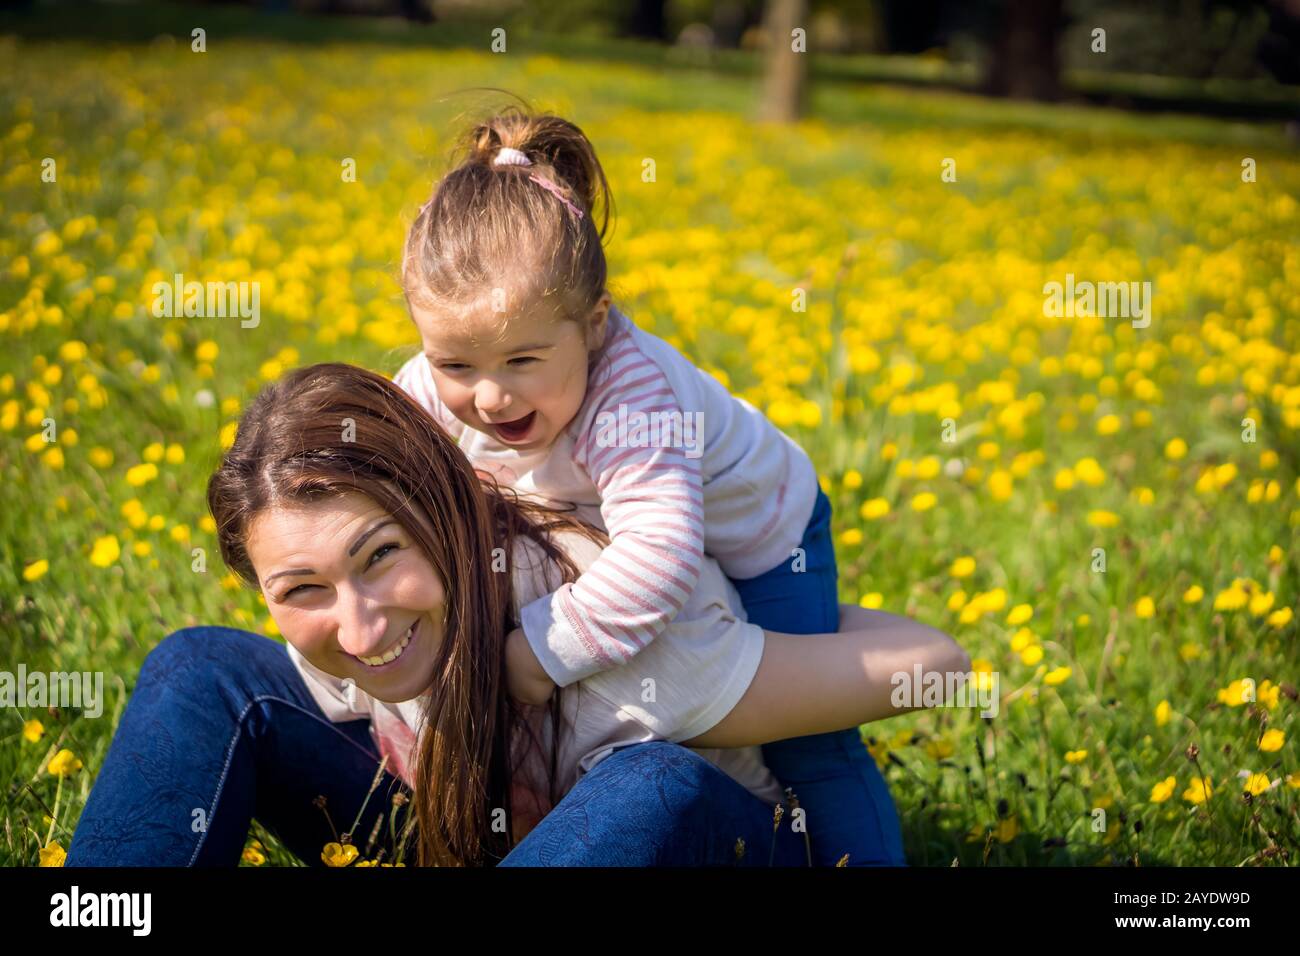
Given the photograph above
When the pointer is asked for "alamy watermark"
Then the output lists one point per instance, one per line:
(1107, 300)
(946, 689)
(219, 300)
(633, 428)
(54, 689)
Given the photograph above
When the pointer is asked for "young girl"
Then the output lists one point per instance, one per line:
(551, 389)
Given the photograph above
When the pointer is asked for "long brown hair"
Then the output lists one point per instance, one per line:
(330, 429)
(489, 226)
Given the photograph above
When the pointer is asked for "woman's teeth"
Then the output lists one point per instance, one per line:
(393, 654)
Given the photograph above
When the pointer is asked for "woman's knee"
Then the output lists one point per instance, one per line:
(665, 779)
(194, 651)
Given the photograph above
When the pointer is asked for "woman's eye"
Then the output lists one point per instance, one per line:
(524, 360)
(292, 591)
(380, 552)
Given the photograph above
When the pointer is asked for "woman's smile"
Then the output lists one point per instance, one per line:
(390, 657)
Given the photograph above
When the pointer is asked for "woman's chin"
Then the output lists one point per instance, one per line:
(399, 688)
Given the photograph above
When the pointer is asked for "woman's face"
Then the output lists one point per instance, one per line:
(351, 590)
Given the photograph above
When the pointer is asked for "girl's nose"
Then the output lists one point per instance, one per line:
(490, 397)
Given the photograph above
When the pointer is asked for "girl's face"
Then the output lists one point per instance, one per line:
(521, 381)
(351, 590)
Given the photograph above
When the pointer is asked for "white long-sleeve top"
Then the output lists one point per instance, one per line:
(677, 688)
(727, 483)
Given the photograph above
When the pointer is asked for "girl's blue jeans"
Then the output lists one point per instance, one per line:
(221, 729)
(846, 800)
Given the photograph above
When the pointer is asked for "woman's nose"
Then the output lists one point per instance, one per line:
(362, 625)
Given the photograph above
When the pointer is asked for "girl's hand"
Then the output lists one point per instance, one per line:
(526, 680)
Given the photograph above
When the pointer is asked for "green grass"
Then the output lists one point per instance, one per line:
(226, 162)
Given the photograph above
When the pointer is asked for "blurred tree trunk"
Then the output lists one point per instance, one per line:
(647, 20)
(785, 72)
(1025, 60)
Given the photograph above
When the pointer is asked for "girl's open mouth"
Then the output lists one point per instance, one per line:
(516, 430)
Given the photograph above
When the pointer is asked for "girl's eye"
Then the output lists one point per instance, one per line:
(381, 552)
(453, 366)
(524, 360)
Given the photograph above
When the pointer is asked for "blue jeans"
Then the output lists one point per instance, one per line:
(847, 802)
(221, 729)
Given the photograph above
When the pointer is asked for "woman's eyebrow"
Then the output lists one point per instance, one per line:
(280, 574)
(383, 523)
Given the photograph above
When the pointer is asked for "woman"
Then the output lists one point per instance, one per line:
(395, 575)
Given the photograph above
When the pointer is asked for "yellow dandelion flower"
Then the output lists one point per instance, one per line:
(105, 551)
(33, 730)
(1145, 607)
(1076, 756)
(1236, 694)
(63, 764)
(1031, 655)
(1279, 618)
(1193, 594)
(142, 474)
(1090, 472)
(1103, 519)
(1001, 485)
(52, 854)
(1163, 710)
(1231, 599)
(1175, 449)
(36, 570)
(1261, 604)
(962, 567)
(1163, 790)
(1272, 740)
(1056, 676)
(1199, 790)
(1256, 783)
(924, 501)
(873, 509)
(1020, 614)
(336, 854)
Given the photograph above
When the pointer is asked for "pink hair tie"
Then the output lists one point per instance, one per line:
(552, 188)
(509, 156)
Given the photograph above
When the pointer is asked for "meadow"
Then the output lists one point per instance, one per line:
(1104, 515)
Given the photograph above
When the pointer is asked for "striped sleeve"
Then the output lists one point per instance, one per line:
(651, 500)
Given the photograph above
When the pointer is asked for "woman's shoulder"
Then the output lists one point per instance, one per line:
(536, 573)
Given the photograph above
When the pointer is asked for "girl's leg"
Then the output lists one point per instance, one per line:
(658, 804)
(221, 729)
(847, 802)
